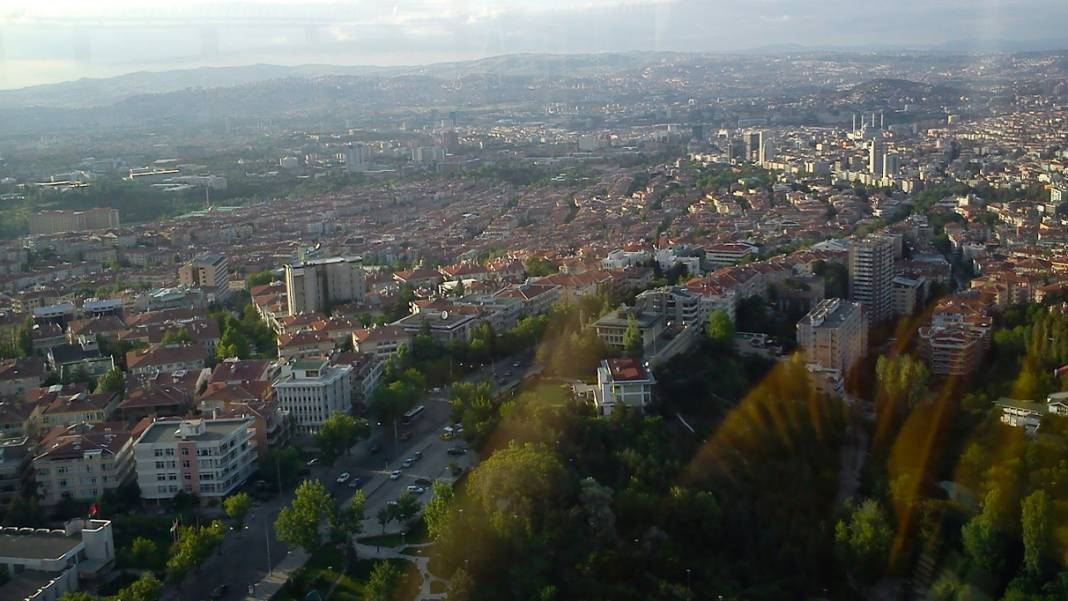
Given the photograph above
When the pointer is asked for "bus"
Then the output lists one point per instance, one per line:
(412, 414)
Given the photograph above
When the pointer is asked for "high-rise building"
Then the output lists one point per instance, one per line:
(210, 272)
(312, 390)
(313, 286)
(767, 149)
(875, 157)
(450, 140)
(834, 334)
(752, 145)
(357, 157)
(891, 164)
(871, 276)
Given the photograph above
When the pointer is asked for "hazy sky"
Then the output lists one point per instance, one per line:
(54, 40)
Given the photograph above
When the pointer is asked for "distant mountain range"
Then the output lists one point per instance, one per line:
(85, 93)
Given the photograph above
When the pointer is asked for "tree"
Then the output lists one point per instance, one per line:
(461, 586)
(384, 516)
(25, 338)
(406, 507)
(515, 486)
(233, 342)
(144, 552)
(347, 522)
(195, 544)
(383, 582)
(284, 464)
(337, 435)
(145, 588)
(78, 596)
(260, 278)
(633, 343)
(177, 336)
(1035, 522)
(237, 508)
(538, 267)
(720, 329)
(298, 524)
(113, 382)
(981, 544)
(864, 537)
(436, 512)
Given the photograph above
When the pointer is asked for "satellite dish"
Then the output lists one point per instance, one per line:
(444, 315)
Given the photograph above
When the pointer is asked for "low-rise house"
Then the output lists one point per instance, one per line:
(303, 344)
(82, 407)
(1028, 414)
(85, 357)
(15, 418)
(19, 376)
(623, 382)
(383, 341)
(165, 400)
(81, 461)
(168, 358)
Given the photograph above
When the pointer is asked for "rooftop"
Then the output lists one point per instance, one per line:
(27, 543)
(166, 431)
(627, 370)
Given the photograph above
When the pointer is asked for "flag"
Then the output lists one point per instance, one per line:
(93, 510)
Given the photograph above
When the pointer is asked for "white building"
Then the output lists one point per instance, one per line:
(834, 337)
(207, 457)
(312, 390)
(45, 564)
(622, 382)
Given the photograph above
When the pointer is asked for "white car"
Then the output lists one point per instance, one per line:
(394, 474)
(408, 462)
(418, 490)
(343, 478)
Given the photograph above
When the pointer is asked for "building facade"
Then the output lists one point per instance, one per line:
(871, 276)
(314, 286)
(312, 390)
(207, 457)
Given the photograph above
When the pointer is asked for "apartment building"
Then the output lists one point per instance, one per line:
(208, 271)
(958, 336)
(623, 382)
(312, 390)
(834, 337)
(383, 341)
(314, 286)
(206, 456)
(871, 275)
(81, 461)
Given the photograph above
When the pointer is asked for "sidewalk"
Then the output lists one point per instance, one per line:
(273, 582)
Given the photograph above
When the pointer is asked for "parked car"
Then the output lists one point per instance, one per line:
(394, 474)
(416, 490)
(355, 483)
(343, 478)
(457, 451)
(418, 455)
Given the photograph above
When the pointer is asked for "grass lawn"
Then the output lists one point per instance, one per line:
(437, 587)
(325, 567)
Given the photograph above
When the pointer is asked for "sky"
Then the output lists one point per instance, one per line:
(44, 41)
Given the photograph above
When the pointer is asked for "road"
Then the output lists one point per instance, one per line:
(243, 558)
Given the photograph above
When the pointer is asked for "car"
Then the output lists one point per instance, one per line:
(415, 490)
(355, 483)
(343, 478)
(312, 462)
(508, 374)
(376, 447)
(408, 462)
(394, 474)
(219, 592)
(418, 455)
(446, 436)
(437, 390)
(515, 365)
(457, 451)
